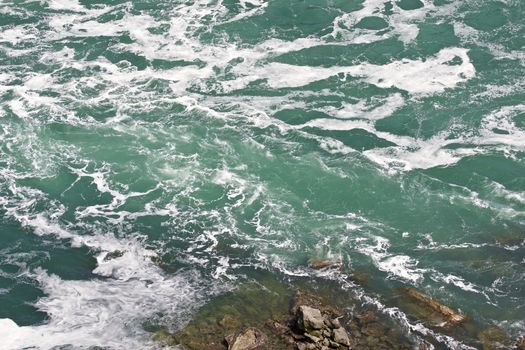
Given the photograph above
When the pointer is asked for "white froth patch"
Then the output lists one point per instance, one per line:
(401, 266)
(423, 77)
(336, 124)
(401, 24)
(458, 282)
(419, 154)
(72, 5)
(499, 128)
(362, 109)
(106, 312)
(109, 311)
(16, 34)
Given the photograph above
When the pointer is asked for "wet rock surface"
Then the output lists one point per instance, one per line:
(315, 325)
(322, 264)
(313, 328)
(275, 318)
(269, 314)
(450, 316)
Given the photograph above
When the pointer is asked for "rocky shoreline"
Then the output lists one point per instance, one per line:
(309, 324)
(270, 315)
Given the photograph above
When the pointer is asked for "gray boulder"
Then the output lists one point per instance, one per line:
(340, 336)
(310, 318)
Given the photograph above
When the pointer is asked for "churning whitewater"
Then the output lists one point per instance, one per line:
(155, 155)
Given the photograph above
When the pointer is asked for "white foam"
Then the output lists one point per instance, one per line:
(502, 120)
(106, 313)
(401, 24)
(362, 109)
(422, 76)
(16, 34)
(401, 266)
(73, 5)
(458, 282)
(479, 38)
(412, 153)
(428, 76)
(110, 311)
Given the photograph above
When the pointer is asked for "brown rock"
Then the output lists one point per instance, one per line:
(321, 264)
(165, 337)
(451, 316)
(520, 343)
(335, 323)
(367, 317)
(249, 339)
(298, 336)
(288, 340)
(277, 327)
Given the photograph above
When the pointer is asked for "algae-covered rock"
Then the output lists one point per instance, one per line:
(494, 338)
(367, 317)
(360, 278)
(165, 337)
(229, 321)
(374, 329)
(250, 339)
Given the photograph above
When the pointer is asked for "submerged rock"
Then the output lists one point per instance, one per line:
(229, 321)
(165, 337)
(451, 317)
(250, 339)
(494, 338)
(360, 278)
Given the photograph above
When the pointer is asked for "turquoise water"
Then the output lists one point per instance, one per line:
(223, 137)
